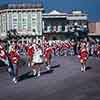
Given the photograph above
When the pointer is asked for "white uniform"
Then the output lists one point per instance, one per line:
(38, 56)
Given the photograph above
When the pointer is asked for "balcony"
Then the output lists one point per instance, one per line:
(65, 28)
(55, 29)
(77, 18)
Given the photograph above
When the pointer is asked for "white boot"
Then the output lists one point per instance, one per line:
(34, 72)
(29, 65)
(9, 70)
(48, 67)
(82, 69)
(14, 80)
(38, 73)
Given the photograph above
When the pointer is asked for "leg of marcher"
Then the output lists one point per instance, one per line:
(14, 73)
(84, 66)
(34, 69)
(38, 70)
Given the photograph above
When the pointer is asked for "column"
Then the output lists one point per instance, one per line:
(59, 28)
(66, 28)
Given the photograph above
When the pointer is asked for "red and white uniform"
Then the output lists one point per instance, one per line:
(66, 46)
(97, 50)
(83, 55)
(72, 44)
(3, 55)
(30, 51)
(47, 53)
(14, 56)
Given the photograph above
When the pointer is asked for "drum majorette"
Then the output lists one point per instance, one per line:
(37, 60)
(83, 56)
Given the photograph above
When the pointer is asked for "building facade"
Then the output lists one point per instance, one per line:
(54, 25)
(30, 21)
(26, 19)
(58, 25)
(94, 28)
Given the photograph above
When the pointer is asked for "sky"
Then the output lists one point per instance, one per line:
(92, 7)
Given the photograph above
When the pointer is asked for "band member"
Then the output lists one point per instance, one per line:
(66, 47)
(3, 55)
(37, 60)
(83, 56)
(30, 51)
(14, 57)
(47, 56)
(72, 48)
(97, 50)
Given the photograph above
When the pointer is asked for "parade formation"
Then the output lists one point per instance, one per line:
(41, 52)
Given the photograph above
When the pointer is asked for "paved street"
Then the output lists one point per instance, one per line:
(65, 82)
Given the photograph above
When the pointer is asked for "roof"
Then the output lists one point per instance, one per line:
(20, 6)
(55, 12)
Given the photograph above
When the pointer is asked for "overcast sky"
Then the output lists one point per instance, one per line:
(92, 7)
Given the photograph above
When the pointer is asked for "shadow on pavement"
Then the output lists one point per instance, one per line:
(2, 63)
(3, 66)
(56, 66)
(29, 75)
(88, 68)
(25, 76)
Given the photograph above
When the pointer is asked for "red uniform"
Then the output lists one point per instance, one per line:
(48, 53)
(14, 56)
(3, 55)
(66, 46)
(98, 50)
(83, 55)
(30, 51)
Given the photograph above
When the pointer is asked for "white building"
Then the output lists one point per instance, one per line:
(29, 20)
(25, 18)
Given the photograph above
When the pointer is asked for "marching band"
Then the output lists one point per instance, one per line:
(41, 52)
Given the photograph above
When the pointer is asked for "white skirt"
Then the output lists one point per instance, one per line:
(37, 59)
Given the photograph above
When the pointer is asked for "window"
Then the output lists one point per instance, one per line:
(24, 23)
(29, 21)
(14, 19)
(45, 29)
(63, 27)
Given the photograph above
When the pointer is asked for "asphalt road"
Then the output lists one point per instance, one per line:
(65, 82)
